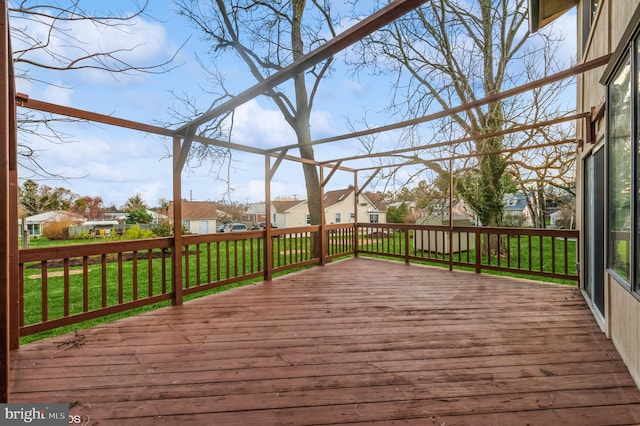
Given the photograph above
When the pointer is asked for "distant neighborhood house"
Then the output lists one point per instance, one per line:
(198, 217)
(516, 211)
(289, 214)
(338, 208)
(36, 224)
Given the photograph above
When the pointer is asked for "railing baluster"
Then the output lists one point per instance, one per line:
(540, 238)
(85, 283)
(103, 267)
(566, 256)
(134, 274)
(198, 278)
(553, 255)
(529, 237)
(218, 269)
(235, 258)
(45, 291)
(164, 271)
(150, 272)
(120, 279)
(187, 269)
(66, 287)
(208, 262)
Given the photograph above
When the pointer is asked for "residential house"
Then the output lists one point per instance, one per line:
(289, 214)
(257, 212)
(339, 207)
(121, 217)
(198, 217)
(608, 196)
(37, 223)
(516, 212)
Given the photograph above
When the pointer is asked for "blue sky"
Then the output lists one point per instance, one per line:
(115, 163)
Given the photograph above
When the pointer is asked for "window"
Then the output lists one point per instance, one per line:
(308, 219)
(373, 218)
(589, 9)
(352, 217)
(620, 145)
(338, 218)
(623, 186)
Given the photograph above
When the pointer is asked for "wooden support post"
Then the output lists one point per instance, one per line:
(451, 213)
(177, 223)
(323, 237)
(356, 194)
(268, 241)
(5, 206)
(15, 305)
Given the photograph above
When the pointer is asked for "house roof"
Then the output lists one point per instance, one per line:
(376, 200)
(256, 208)
(337, 196)
(196, 210)
(514, 202)
(55, 216)
(543, 12)
(283, 206)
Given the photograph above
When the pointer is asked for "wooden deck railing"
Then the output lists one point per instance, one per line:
(68, 284)
(550, 253)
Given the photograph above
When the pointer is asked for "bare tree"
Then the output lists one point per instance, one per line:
(44, 36)
(452, 52)
(267, 36)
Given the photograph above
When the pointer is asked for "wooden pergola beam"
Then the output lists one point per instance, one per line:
(472, 155)
(334, 169)
(26, 102)
(514, 129)
(570, 72)
(368, 181)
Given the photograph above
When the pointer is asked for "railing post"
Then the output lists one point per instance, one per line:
(478, 237)
(355, 239)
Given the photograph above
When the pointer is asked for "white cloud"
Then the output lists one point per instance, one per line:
(57, 94)
(137, 42)
(254, 125)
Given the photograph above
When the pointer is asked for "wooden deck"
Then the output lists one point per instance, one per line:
(360, 340)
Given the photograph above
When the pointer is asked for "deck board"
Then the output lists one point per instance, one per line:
(356, 341)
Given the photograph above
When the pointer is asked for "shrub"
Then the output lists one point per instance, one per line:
(164, 229)
(135, 233)
(84, 235)
(58, 230)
